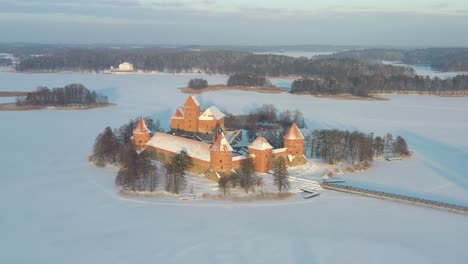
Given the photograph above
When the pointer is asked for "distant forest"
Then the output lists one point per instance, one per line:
(444, 59)
(356, 72)
(245, 79)
(5, 62)
(70, 95)
(209, 61)
(365, 85)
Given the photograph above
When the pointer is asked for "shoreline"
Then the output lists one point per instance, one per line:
(14, 107)
(287, 77)
(12, 94)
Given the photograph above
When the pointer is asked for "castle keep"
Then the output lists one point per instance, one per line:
(188, 118)
(219, 157)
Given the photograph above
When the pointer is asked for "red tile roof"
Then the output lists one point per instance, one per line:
(141, 127)
(294, 133)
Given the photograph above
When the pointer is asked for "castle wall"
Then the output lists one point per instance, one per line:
(140, 140)
(206, 126)
(295, 146)
(176, 124)
(221, 161)
(263, 159)
(164, 156)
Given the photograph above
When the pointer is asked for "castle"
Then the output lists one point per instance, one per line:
(219, 157)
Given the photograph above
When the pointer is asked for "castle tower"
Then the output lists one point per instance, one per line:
(177, 120)
(221, 155)
(263, 154)
(141, 135)
(294, 141)
(191, 114)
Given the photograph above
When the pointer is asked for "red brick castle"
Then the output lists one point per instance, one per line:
(219, 157)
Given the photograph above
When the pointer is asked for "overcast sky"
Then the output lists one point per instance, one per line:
(258, 22)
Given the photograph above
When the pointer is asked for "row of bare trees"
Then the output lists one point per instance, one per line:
(336, 146)
(274, 124)
(247, 179)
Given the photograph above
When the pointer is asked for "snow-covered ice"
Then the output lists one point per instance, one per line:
(57, 208)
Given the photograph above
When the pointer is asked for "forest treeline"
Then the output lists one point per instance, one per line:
(69, 95)
(335, 146)
(246, 79)
(365, 85)
(444, 59)
(5, 62)
(208, 61)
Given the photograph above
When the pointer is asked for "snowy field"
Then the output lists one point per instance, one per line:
(57, 208)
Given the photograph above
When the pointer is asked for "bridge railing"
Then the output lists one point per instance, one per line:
(347, 188)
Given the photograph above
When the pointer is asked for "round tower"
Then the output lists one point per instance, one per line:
(263, 152)
(221, 155)
(294, 141)
(141, 135)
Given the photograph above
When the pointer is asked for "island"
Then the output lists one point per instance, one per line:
(247, 156)
(69, 97)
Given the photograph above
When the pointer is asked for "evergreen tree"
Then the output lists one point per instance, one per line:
(400, 147)
(105, 148)
(223, 183)
(280, 174)
(247, 177)
(175, 172)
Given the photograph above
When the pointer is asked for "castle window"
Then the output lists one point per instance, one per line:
(221, 166)
(220, 161)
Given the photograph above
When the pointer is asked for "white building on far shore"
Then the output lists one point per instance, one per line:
(126, 66)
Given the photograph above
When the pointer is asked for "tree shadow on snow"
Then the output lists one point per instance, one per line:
(446, 160)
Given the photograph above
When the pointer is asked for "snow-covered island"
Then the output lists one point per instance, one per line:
(245, 157)
(69, 97)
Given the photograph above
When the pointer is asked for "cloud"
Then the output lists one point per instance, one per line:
(213, 22)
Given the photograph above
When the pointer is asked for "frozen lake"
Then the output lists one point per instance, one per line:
(57, 208)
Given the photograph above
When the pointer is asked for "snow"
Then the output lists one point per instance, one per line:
(195, 100)
(58, 208)
(179, 114)
(212, 113)
(280, 150)
(221, 144)
(294, 133)
(175, 144)
(260, 143)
